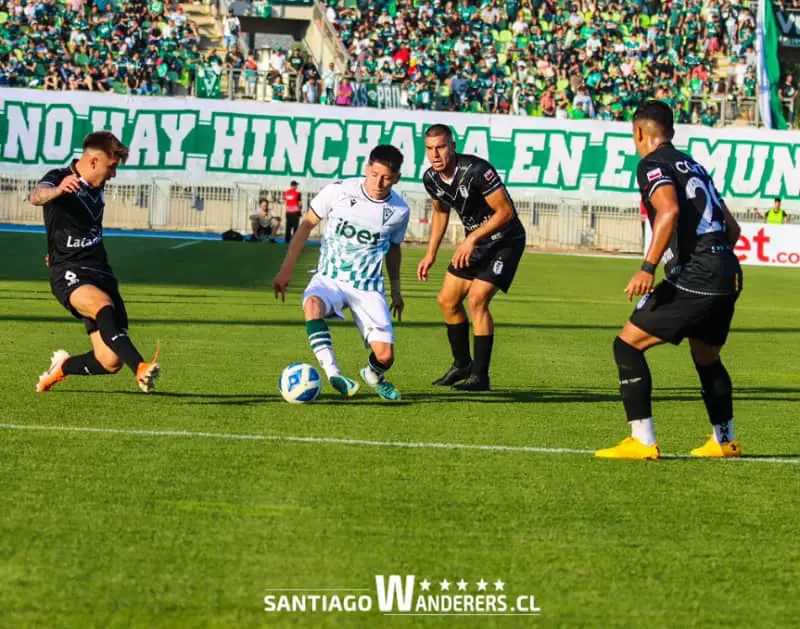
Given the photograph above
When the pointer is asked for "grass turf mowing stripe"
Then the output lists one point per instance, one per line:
(361, 442)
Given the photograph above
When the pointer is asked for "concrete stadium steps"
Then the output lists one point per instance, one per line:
(209, 27)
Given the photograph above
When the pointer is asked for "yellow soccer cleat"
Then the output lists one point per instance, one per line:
(630, 448)
(712, 449)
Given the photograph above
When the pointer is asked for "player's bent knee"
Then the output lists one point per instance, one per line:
(384, 355)
(314, 308)
(478, 302)
(703, 354)
(447, 302)
(625, 355)
(109, 361)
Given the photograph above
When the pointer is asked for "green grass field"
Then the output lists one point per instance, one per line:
(119, 528)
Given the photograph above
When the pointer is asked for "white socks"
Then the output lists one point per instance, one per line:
(371, 377)
(723, 433)
(327, 360)
(644, 430)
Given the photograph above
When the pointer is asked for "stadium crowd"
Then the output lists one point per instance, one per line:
(126, 46)
(553, 58)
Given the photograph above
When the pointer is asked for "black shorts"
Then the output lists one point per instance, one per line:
(495, 263)
(65, 280)
(672, 315)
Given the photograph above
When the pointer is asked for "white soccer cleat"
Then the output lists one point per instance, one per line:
(54, 374)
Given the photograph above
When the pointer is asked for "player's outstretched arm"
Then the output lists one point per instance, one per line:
(280, 284)
(393, 259)
(665, 202)
(439, 220)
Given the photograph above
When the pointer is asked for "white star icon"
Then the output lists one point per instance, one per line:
(498, 585)
(482, 585)
(445, 584)
(425, 585)
(462, 585)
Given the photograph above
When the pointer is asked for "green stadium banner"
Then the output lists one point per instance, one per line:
(383, 96)
(209, 82)
(201, 142)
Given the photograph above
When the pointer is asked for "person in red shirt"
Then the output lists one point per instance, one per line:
(291, 202)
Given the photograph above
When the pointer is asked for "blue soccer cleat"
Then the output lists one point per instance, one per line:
(344, 385)
(385, 389)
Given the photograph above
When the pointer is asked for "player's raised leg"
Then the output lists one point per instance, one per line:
(451, 302)
(635, 386)
(107, 322)
(111, 322)
(717, 391)
(478, 299)
(319, 338)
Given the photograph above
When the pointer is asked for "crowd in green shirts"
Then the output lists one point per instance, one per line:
(123, 46)
(553, 58)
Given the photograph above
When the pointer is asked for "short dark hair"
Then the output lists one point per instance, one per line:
(388, 155)
(294, 184)
(263, 200)
(659, 112)
(436, 130)
(108, 143)
(776, 200)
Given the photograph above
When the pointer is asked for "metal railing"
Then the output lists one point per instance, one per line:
(172, 205)
(735, 110)
(550, 223)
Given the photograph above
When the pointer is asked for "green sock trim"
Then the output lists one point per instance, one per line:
(316, 325)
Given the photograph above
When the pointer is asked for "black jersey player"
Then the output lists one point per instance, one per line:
(80, 276)
(484, 262)
(693, 234)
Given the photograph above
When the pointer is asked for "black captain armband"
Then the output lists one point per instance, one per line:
(649, 267)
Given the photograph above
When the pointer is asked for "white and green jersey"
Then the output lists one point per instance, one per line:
(360, 231)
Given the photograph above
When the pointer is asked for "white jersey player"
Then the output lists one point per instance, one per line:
(366, 222)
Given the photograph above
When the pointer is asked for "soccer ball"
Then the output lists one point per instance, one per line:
(300, 383)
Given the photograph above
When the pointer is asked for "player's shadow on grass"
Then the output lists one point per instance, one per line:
(588, 395)
(244, 399)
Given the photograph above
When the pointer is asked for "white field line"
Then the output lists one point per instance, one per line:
(349, 442)
(186, 244)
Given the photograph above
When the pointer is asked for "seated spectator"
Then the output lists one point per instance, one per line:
(263, 224)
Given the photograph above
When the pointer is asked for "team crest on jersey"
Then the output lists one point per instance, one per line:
(462, 190)
(388, 212)
(654, 174)
(497, 267)
(439, 192)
